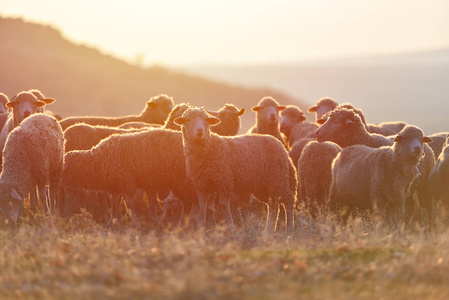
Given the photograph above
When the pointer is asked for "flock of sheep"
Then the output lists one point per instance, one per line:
(180, 156)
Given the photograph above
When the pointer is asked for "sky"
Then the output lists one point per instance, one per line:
(175, 32)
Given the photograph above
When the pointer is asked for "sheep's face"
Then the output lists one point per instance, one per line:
(230, 115)
(195, 124)
(410, 143)
(268, 114)
(10, 204)
(323, 106)
(289, 118)
(338, 126)
(23, 105)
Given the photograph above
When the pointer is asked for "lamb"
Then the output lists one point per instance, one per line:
(267, 118)
(345, 128)
(3, 100)
(323, 106)
(33, 155)
(439, 177)
(151, 160)
(229, 115)
(378, 178)
(314, 174)
(236, 166)
(155, 112)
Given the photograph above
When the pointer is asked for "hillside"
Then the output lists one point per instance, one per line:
(412, 87)
(87, 82)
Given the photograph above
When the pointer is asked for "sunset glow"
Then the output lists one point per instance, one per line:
(174, 32)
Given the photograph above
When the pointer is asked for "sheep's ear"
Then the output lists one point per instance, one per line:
(151, 104)
(349, 122)
(397, 138)
(302, 118)
(40, 103)
(312, 109)
(48, 100)
(15, 195)
(255, 108)
(320, 121)
(281, 107)
(213, 113)
(213, 121)
(427, 139)
(9, 104)
(179, 121)
(241, 112)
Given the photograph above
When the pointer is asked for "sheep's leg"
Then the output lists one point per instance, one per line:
(203, 198)
(33, 199)
(52, 189)
(43, 197)
(273, 211)
(129, 200)
(225, 203)
(289, 222)
(152, 206)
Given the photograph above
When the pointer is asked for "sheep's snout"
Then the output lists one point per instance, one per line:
(319, 135)
(199, 132)
(416, 148)
(26, 114)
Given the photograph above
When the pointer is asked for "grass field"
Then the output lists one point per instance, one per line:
(79, 259)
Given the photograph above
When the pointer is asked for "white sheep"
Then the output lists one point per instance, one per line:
(155, 112)
(267, 118)
(235, 166)
(293, 127)
(229, 116)
(33, 156)
(439, 177)
(151, 160)
(22, 105)
(345, 128)
(322, 106)
(315, 174)
(378, 178)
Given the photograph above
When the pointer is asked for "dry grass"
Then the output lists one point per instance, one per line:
(79, 259)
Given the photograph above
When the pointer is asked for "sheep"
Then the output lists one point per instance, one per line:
(40, 96)
(267, 118)
(384, 128)
(293, 127)
(322, 106)
(135, 125)
(438, 142)
(151, 160)
(345, 128)
(84, 136)
(296, 149)
(439, 177)
(33, 156)
(235, 166)
(229, 115)
(378, 178)
(22, 105)
(3, 100)
(314, 174)
(155, 112)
